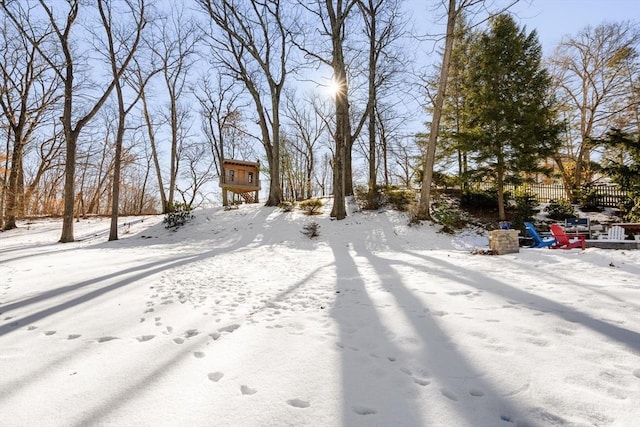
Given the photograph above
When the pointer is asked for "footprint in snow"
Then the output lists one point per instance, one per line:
(363, 410)
(246, 390)
(49, 332)
(421, 382)
(449, 394)
(229, 328)
(178, 340)
(106, 339)
(475, 392)
(73, 336)
(144, 338)
(298, 403)
(215, 376)
(636, 373)
(199, 354)
(191, 333)
(32, 327)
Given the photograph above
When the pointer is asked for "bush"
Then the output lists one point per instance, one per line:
(590, 200)
(560, 209)
(631, 208)
(286, 206)
(483, 199)
(369, 200)
(526, 204)
(311, 206)
(448, 215)
(400, 199)
(178, 215)
(311, 229)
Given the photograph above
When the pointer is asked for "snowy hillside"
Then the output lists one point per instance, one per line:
(239, 319)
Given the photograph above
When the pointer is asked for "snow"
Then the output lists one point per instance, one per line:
(239, 319)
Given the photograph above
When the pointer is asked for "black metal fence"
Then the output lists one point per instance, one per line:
(598, 195)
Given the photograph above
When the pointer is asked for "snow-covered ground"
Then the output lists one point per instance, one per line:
(239, 319)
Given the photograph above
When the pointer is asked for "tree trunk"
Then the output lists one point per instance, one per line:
(13, 188)
(427, 177)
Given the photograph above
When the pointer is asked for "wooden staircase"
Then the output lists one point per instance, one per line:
(248, 197)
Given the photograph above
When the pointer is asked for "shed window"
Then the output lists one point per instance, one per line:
(250, 177)
(232, 175)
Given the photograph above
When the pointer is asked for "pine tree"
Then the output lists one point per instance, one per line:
(625, 169)
(509, 114)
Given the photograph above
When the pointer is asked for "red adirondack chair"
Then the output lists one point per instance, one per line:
(567, 241)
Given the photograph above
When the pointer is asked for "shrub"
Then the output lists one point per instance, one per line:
(369, 200)
(178, 215)
(483, 199)
(311, 229)
(400, 199)
(560, 209)
(526, 203)
(311, 206)
(590, 200)
(286, 206)
(448, 215)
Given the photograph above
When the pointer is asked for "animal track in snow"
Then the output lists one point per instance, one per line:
(363, 410)
(73, 336)
(178, 340)
(199, 354)
(50, 332)
(476, 392)
(298, 403)
(215, 376)
(106, 339)
(247, 390)
(144, 338)
(32, 327)
(229, 328)
(449, 394)
(421, 382)
(439, 313)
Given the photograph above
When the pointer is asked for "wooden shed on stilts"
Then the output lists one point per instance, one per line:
(242, 179)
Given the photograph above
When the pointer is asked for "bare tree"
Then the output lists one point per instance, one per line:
(199, 171)
(220, 110)
(121, 43)
(332, 15)
(57, 31)
(382, 28)
(307, 128)
(29, 91)
(254, 47)
(592, 75)
(175, 46)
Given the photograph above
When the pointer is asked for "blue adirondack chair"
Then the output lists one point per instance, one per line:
(538, 241)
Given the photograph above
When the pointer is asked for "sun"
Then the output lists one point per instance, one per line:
(333, 88)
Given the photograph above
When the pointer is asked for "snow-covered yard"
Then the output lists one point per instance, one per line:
(239, 319)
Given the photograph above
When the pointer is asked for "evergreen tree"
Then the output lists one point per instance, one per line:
(625, 169)
(452, 122)
(510, 122)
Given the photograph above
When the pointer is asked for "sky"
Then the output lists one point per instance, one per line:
(556, 18)
(238, 319)
(553, 19)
